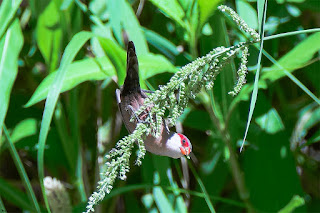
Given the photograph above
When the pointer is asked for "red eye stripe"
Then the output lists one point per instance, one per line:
(184, 140)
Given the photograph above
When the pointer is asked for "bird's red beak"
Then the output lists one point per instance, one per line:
(185, 150)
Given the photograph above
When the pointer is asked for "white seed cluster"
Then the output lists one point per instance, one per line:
(242, 72)
(240, 22)
(172, 98)
(59, 200)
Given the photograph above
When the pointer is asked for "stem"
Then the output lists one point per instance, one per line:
(233, 163)
(193, 44)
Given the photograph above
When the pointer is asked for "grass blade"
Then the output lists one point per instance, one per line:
(22, 172)
(207, 198)
(7, 11)
(69, 54)
(256, 80)
(293, 78)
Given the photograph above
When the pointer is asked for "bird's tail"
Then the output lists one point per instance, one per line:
(131, 83)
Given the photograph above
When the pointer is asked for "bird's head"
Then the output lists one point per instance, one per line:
(177, 146)
(186, 146)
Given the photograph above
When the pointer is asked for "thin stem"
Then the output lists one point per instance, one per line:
(206, 195)
(193, 45)
(233, 163)
(291, 33)
(21, 170)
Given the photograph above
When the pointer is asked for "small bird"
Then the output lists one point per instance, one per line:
(131, 97)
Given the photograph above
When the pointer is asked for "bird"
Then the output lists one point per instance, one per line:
(130, 97)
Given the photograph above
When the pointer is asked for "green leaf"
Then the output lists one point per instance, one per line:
(247, 13)
(122, 16)
(171, 9)
(77, 73)
(25, 128)
(10, 47)
(206, 9)
(151, 65)
(162, 44)
(256, 79)
(69, 54)
(7, 11)
(298, 57)
(49, 35)
(116, 55)
(161, 200)
(270, 122)
(132, 26)
(98, 69)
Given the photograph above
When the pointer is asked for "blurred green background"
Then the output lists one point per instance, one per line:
(280, 160)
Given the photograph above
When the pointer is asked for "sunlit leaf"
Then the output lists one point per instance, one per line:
(49, 35)
(172, 9)
(10, 47)
(270, 122)
(206, 9)
(25, 128)
(77, 72)
(247, 13)
(7, 11)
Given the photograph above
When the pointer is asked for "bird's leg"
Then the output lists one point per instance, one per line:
(135, 115)
(147, 91)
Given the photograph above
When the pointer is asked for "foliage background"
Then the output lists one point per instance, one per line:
(281, 157)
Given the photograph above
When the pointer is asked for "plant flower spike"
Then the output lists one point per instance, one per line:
(143, 114)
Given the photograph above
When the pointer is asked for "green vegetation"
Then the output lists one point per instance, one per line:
(61, 61)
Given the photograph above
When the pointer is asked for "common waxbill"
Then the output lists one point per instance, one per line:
(130, 97)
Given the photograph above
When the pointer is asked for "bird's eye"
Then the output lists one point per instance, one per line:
(184, 141)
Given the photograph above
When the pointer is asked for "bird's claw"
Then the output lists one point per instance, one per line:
(135, 115)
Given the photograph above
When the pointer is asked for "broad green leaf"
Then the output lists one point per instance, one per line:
(270, 122)
(10, 47)
(77, 72)
(49, 35)
(55, 88)
(7, 11)
(171, 9)
(14, 195)
(151, 65)
(206, 9)
(247, 13)
(295, 59)
(99, 69)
